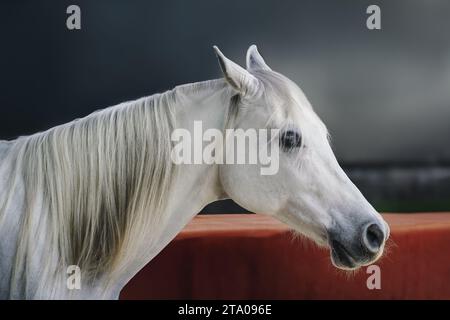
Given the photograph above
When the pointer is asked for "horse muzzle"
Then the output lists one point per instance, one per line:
(351, 250)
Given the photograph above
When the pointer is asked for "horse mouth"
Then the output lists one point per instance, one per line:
(341, 257)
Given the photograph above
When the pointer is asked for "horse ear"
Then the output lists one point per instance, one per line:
(239, 78)
(254, 60)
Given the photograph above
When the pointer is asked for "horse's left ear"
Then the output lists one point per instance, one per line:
(239, 78)
(255, 61)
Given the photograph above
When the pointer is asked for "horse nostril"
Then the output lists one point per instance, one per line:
(373, 237)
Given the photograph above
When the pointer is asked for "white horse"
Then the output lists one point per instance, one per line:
(102, 192)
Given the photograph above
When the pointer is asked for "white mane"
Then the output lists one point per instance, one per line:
(104, 182)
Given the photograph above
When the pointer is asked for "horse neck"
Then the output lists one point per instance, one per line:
(195, 186)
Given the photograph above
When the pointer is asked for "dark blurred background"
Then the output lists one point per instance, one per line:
(384, 94)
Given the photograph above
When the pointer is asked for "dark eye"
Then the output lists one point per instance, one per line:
(290, 139)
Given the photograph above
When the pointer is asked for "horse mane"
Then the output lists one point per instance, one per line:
(104, 183)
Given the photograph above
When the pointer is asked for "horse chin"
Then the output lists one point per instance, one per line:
(343, 260)
(340, 258)
(346, 262)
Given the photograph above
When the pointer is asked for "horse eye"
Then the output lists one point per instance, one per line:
(290, 139)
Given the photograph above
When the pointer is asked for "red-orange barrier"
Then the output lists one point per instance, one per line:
(256, 257)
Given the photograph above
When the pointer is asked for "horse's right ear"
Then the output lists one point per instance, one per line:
(255, 61)
(239, 78)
